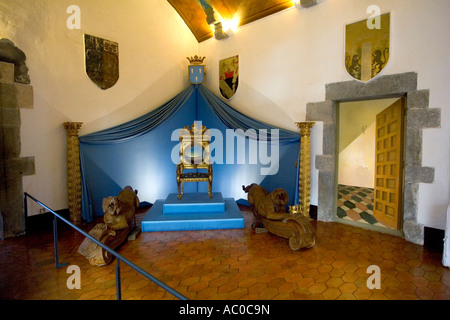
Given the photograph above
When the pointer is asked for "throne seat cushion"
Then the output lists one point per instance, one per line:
(194, 176)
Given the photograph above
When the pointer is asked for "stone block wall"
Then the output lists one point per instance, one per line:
(13, 97)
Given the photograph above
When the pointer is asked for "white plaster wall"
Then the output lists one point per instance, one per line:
(285, 61)
(357, 160)
(356, 147)
(153, 45)
(287, 58)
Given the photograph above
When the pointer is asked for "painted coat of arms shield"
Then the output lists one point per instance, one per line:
(228, 76)
(367, 47)
(196, 74)
(102, 61)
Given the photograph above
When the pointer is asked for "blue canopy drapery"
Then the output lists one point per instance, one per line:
(140, 153)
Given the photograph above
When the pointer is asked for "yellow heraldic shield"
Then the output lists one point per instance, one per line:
(102, 61)
(367, 45)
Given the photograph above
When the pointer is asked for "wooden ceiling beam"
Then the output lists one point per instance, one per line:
(246, 11)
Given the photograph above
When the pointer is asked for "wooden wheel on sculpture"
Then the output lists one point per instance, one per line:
(107, 256)
(113, 239)
(300, 236)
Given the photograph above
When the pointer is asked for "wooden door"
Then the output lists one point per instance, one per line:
(389, 165)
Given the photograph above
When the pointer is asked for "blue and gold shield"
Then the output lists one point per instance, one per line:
(196, 69)
(196, 74)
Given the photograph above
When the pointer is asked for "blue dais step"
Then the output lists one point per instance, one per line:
(194, 203)
(156, 220)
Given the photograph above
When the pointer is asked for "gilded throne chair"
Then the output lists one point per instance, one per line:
(194, 155)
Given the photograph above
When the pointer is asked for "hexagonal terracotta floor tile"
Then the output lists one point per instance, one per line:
(230, 264)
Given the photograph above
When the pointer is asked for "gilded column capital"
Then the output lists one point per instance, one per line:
(305, 127)
(72, 128)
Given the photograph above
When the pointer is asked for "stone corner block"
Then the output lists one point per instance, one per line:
(424, 118)
(20, 167)
(9, 117)
(325, 163)
(8, 95)
(418, 174)
(6, 72)
(327, 201)
(418, 99)
(321, 111)
(25, 98)
(414, 232)
(410, 200)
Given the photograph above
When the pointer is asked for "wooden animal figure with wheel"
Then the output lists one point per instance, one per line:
(270, 211)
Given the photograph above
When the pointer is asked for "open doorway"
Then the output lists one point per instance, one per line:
(370, 163)
(419, 117)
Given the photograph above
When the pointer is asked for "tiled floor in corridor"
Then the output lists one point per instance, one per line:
(230, 264)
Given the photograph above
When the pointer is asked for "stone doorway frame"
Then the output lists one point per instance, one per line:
(418, 117)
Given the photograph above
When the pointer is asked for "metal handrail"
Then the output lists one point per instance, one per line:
(117, 255)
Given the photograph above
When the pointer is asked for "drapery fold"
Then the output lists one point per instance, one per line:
(141, 125)
(234, 119)
(107, 166)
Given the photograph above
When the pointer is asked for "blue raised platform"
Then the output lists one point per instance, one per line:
(157, 220)
(194, 203)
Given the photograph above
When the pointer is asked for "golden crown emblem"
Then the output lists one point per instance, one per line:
(196, 59)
